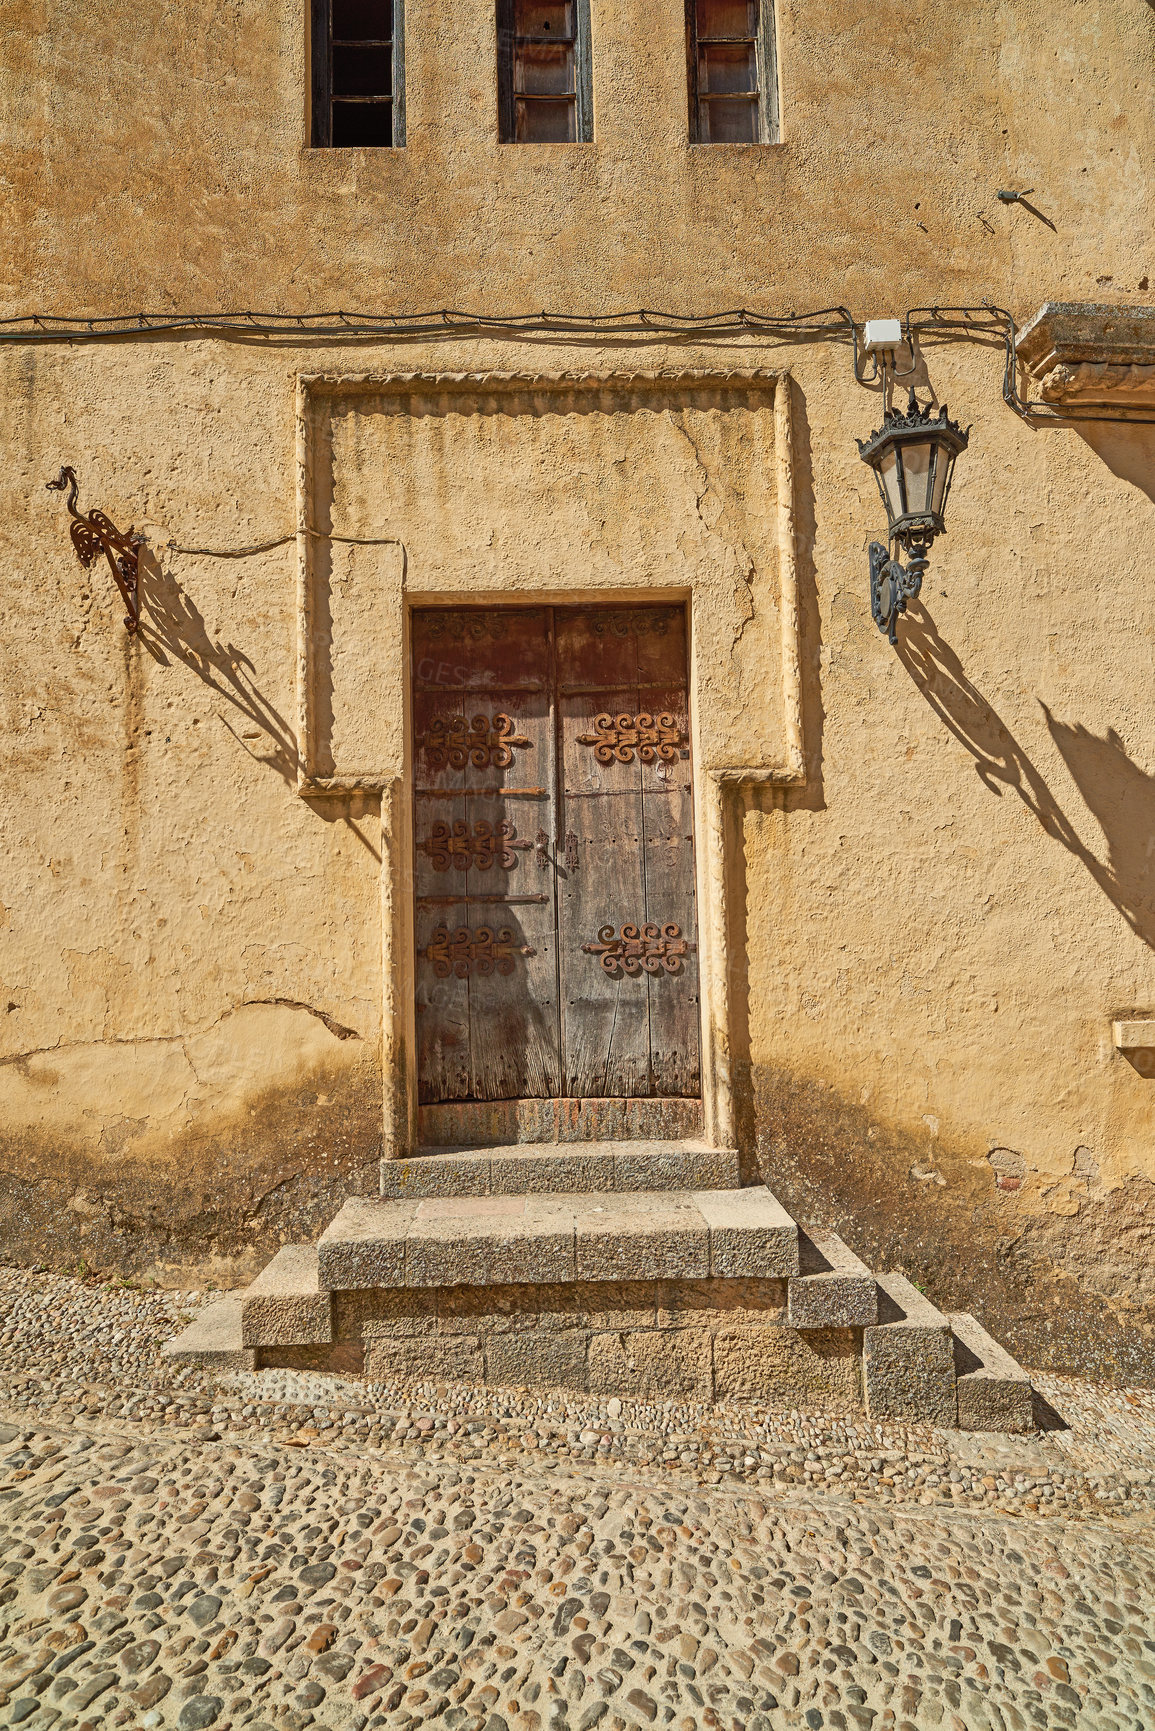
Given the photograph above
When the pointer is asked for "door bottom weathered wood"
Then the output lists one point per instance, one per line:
(498, 1123)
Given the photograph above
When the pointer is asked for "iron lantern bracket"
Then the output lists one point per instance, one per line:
(892, 585)
(95, 534)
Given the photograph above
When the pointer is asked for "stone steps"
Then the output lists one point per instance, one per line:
(693, 1292)
(522, 1168)
(558, 1238)
(286, 1304)
(213, 1338)
(994, 1392)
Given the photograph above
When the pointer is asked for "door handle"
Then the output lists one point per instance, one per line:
(571, 851)
(541, 851)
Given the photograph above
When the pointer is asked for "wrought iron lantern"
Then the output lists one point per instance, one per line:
(913, 457)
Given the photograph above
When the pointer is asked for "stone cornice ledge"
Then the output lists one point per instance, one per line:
(1082, 352)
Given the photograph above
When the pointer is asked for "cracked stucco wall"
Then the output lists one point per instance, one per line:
(937, 930)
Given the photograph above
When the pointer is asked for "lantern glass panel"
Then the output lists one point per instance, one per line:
(892, 494)
(943, 466)
(916, 461)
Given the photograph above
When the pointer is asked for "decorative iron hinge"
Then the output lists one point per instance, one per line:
(647, 949)
(467, 627)
(94, 535)
(634, 622)
(483, 741)
(452, 845)
(464, 952)
(654, 736)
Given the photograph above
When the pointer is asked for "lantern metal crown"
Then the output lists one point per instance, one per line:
(913, 457)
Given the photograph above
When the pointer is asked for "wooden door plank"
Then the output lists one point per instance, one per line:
(674, 993)
(484, 791)
(444, 1060)
(632, 1028)
(605, 1011)
(667, 818)
(513, 1008)
(601, 878)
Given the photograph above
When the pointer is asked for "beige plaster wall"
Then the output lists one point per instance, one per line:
(939, 926)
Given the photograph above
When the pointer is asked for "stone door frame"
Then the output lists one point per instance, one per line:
(719, 784)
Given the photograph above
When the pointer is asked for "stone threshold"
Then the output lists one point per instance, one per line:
(519, 1168)
(558, 1237)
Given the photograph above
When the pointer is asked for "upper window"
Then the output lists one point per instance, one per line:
(543, 72)
(733, 77)
(358, 73)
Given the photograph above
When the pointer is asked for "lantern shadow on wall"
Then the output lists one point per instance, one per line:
(1117, 792)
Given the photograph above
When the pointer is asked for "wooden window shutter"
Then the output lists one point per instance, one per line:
(732, 72)
(544, 72)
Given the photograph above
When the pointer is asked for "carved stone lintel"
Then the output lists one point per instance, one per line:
(1095, 382)
(1089, 353)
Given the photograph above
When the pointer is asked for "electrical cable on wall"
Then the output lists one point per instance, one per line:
(985, 324)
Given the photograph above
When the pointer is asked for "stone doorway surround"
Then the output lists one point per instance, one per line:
(425, 489)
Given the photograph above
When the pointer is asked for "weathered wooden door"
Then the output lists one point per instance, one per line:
(555, 926)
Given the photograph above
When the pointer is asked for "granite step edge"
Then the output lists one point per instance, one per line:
(538, 1168)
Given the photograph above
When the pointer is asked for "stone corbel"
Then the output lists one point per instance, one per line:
(1081, 353)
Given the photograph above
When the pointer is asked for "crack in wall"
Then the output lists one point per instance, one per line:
(748, 563)
(337, 1029)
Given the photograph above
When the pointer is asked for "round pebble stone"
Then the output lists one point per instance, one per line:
(67, 1598)
(468, 1583)
(199, 1713)
(203, 1609)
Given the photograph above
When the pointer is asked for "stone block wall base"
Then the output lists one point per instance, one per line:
(694, 1340)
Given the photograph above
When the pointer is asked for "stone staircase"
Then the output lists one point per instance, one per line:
(636, 1269)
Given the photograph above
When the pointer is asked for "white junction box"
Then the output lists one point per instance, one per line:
(882, 334)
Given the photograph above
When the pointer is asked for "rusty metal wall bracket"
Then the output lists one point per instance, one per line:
(94, 535)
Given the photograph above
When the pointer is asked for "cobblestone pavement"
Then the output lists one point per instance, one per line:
(219, 1564)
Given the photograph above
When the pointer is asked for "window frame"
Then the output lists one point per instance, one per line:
(766, 63)
(583, 76)
(321, 77)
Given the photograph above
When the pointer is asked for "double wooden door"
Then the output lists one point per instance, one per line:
(554, 874)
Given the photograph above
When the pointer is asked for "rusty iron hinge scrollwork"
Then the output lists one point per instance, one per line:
(464, 952)
(650, 949)
(485, 742)
(653, 736)
(467, 627)
(95, 534)
(634, 622)
(489, 844)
